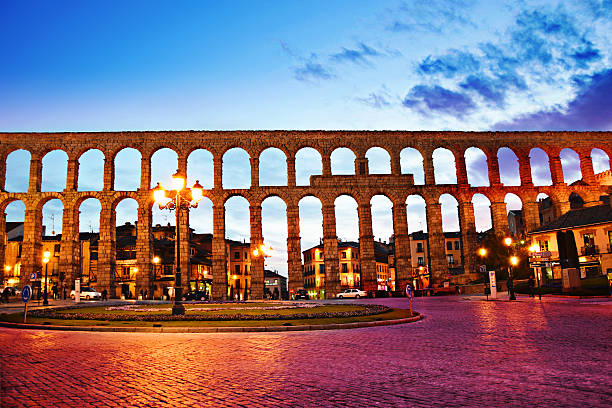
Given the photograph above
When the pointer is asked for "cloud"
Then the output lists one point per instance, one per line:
(436, 99)
(356, 56)
(431, 16)
(449, 65)
(375, 100)
(589, 110)
(312, 71)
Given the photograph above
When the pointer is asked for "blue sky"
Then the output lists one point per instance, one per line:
(438, 64)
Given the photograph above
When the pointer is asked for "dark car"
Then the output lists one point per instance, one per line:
(301, 294)
(196, 295)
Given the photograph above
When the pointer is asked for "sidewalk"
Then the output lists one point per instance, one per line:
(505, 297)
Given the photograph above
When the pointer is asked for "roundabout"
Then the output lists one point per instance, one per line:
(211, 317)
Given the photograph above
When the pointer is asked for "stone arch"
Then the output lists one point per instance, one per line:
(509, 172)
(54, 180)
(379, 160)
(91, 164)
(450, 212)
(237, 218)
(275, 231)
(17, 171)
(88, 208)
(272, 167)
(201, 167)
(382, 217)
(52, 212)
(123, 206)
(308, 162)
(347, 218)
(482, 212)
(310, 209)
(164, 162)
(540, 167)
(343, 161)
(445, 170)
(601, 160)
(127, 169)
(411, 162)
(576, 201)
(201, 217)
(570, 162)
(477, 167)
(235, 162)
(416, 213)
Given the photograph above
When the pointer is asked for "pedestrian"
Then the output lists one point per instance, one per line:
(487, 291)
(141, 294)
(54, 290)
(531, 284)
(146, 294)
(5, 294)
(510, 285)
(64, 293)
(104, 295)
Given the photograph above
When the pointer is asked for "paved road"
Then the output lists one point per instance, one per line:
(467, 352)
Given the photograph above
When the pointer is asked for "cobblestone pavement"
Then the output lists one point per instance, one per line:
(466, 352)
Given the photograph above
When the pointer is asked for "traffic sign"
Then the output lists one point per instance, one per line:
(26, 293)
(483, 268)
(32, 276)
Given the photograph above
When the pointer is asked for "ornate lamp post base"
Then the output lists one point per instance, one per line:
(178, 309)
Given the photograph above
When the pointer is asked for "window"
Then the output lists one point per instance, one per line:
(237, 269)
(589, 240)
(420, 262)
(543, 245)
(322, 269)
(246, 254)
(451, 259)
(236, 255)
(449, 245)
(419, 247)
(344, 268)
(93, 256)
(456, 245)
(56, 249)
(343, 254)
(246, 269)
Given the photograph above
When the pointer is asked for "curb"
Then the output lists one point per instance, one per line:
(227, 329)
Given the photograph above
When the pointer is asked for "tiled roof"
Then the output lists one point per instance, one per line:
(580, 217)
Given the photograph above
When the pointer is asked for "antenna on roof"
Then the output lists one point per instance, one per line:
(52, 224)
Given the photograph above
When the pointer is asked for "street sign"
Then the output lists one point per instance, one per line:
(77, 290)
(543, 254)
(32, 276)
(483, 268)
(26, 293)
(493, 284)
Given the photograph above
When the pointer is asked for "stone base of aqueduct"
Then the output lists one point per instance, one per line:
(362, 186)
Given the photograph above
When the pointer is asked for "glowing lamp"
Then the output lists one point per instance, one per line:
(178, 181)
(159, 194)
(7, 268)
(508, 241)
(255, 252)
(156, 260)
(482, 252)
(197, 192)
(47, 254)
(514, 260)
(45, 260)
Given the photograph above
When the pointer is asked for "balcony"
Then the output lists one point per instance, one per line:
(589, 250)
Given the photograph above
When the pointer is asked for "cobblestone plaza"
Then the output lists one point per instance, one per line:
(466, 352)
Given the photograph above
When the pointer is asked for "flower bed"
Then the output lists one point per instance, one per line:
(365, 310)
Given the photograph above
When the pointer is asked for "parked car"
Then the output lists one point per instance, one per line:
(87, 294)
(445, 288)
(301, 294)
(352, 293)
(196, 295)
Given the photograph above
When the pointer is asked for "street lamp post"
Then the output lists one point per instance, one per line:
(513, 262)
(177, 203)
(263, 252)
(532, 250)
(47, 255)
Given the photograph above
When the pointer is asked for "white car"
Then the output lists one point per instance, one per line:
(87, 294)
(352, 293)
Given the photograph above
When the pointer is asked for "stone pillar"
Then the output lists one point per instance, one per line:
(70, 250)
(525, 169)
(361, 166)
(330, 251)
(257, 262)
(468, 236)
(107, 250)
(294, 256)
(462, 178)
(182, 166)
(561, 208)
(494, 177)
(255, 173)
(145, 173)
(144, 247)
(367, 259)
(35, 174)
(218, 172)
(531, 215)
(72, 175)
(586, 168)
(556, 170)
(2, 177)
(2, 245)
(109, 175)
(428, 168)
(31, 253)
(437, 259)
(291, 171)
(219, 272)
(401, 246)
(396, 164)
(499, 216)
(326, 163)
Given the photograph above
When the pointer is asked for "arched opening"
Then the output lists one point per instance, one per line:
(382, 218)
(127, 170)
(89, 230)
(200, 167)
(570, 162)
(546, 208)
(416, 214)
(200, 246)
(540, 167)
(52, 216)
(576, 201)
(164, 163)
(342, 161)
(308, 162)
(54, 171)
(274, 230)
(311, 243)
(509, 173)
(450, 213)
(379, 161)
(236, 169)
(17, 171)
(91, 171)
(89, 215)
(272, 167)
(516, 218)
(238, 237)
(482, 212)
(601, 161)
(411, 162)
(126, 234)
(445, 171)
(347, 220)
(201, 217)
(15, 218)
(476, 167)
